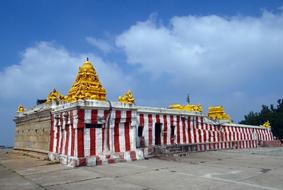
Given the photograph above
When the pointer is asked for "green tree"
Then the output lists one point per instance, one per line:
(272, 113)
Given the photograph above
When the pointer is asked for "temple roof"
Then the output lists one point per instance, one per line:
(87, 85)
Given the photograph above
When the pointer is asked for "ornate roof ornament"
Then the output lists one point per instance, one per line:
(54, 95)
(127, 98)
(21, 108)
(217, 113)
(266, 124)
(87, 85)
(188, 107)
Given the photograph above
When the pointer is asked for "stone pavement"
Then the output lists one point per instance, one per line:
(231, 169)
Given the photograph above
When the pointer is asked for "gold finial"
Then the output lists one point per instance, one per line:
(217, 113)
(188, 107)
(87, 85)
(127, 98)
(21, 108)
(54, 95)
(266, 124)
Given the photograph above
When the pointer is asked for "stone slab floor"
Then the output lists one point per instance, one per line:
(231, 169)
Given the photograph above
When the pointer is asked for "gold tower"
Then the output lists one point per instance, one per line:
(87, 85)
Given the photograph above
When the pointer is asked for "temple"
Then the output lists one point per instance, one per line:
(85, 128)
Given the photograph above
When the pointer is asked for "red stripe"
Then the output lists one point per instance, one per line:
(189, 130)
(165, 129)
(80, 131)
(116, 131)
(67, 139)
(184, 130)
(51, 134)
(178, 129)
(204, 133)
(172, 124)
(92, 133)
(67, 134)
(141, 119)
(199, 131)
(203, 130)
(149, 129)
(57, 136)
(249, 134)
(231, 134)
(127, 130)
(157, 119)
(237, 133)
(242, 134)
(62, 134)
(219, 138)
(73, 133)
(194, 130)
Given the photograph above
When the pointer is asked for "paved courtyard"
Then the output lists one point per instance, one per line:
(232, 169)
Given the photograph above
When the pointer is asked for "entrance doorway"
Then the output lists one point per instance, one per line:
(158, 133)
(172, 136)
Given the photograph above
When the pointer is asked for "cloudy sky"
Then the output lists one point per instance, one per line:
(220, 52)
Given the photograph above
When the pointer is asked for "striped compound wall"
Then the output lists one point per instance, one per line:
(94, 135)
(199, 130)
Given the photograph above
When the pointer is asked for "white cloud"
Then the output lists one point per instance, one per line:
(46, 65)
(100, 44)
(232, 61)
(212, 51)
(43, 67)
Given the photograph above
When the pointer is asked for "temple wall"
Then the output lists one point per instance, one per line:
(196, 129)
(87, 135)
(32, 131)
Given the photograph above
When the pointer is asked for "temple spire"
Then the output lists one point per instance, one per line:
(87, 85)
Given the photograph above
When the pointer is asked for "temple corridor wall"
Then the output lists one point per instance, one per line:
(33, 131)
(193, 129)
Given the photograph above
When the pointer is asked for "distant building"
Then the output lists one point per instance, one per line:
(84, 128)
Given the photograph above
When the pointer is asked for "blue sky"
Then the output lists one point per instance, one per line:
(220, 52)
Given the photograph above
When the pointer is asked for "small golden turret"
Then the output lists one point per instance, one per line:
(54, 95)
(188, 107)
(127, 98)
(217, 113)
(87, 85)
(21, 108)
(266, 124)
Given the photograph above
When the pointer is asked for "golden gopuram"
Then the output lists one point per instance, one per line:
(87, 85)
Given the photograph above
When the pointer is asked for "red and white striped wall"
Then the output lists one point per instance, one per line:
(64, 134)
(116, 137)
(199, 130)
(73, 143)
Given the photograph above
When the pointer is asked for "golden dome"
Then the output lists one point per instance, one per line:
(87, 85)
(87, 65)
